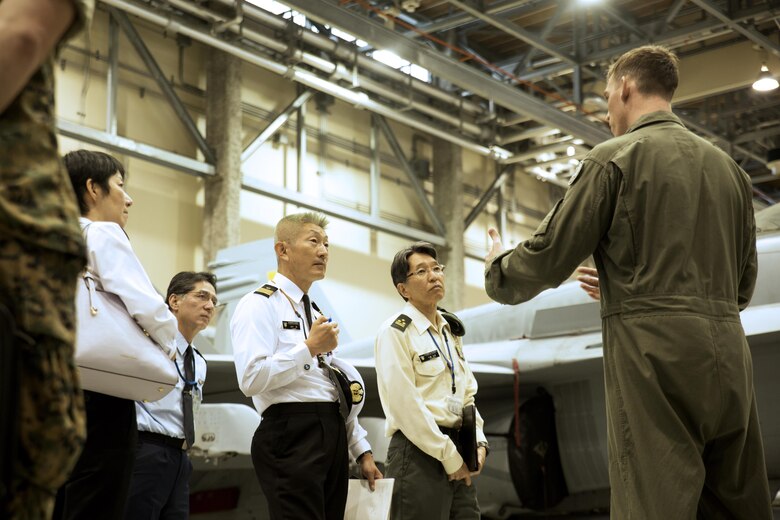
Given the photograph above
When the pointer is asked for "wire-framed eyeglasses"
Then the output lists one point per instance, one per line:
(420, 273)
(204, 296)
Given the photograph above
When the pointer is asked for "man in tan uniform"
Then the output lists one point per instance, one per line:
(669, 220)
(41, 254)
(424, 382)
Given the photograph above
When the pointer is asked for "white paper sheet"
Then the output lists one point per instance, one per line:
(364, 504)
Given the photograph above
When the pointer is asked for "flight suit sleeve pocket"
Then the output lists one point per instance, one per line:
(542, 236)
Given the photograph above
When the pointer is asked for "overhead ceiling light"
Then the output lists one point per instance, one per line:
(589, 2)
(570, 151)
(765, 81)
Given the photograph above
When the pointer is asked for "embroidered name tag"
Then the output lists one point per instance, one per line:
(433, 354)
(291, 325)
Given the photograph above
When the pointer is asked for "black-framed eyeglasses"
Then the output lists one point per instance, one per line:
(204, 296)
(420, 273)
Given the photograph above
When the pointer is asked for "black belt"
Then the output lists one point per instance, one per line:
(321, 408)
(160, 439)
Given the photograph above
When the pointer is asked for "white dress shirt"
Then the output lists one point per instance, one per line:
(415, 383)
(116, 268)
(274, 365)
(166, 416)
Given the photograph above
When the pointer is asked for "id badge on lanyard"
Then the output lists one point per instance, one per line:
(447, 359)
(454, 405)
(197, 399)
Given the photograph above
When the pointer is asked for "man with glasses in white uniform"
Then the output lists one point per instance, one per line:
(159, 489)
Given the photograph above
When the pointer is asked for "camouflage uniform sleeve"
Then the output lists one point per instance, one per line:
(85, 9)
(567, 235)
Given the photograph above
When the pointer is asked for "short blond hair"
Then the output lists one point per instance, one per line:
(288, 227)
(653, 67)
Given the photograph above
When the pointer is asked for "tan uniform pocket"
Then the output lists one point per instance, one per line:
(430, 368)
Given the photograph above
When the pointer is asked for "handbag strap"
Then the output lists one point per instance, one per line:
(88, 271)
(89, 281)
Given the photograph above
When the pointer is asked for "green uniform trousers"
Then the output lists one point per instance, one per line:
(684, 439)
(38, 287)
(422, 490)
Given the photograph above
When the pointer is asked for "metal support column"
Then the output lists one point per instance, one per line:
(448, 201)
(579, 36)
(112, 79)
(300, 146)
(502, 211)
(416, 184)
(221, 209)
(376, 166)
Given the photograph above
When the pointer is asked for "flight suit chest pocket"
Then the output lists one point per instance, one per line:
(428, 364)
(542, 236)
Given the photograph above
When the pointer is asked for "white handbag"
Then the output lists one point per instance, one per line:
(115, 356)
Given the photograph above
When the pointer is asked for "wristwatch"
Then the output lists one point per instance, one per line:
(484, 444)
(361, 455)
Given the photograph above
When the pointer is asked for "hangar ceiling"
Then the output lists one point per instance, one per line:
(558, 52)
(520, 81)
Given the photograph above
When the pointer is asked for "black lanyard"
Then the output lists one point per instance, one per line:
(450, 363)
(194, 382)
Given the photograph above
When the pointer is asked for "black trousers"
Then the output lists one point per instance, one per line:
(100, 482)
(160, 487)
(299, 452)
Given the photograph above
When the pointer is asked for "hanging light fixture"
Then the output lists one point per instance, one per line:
(765, 81)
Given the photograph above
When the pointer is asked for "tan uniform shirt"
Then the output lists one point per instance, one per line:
(415, 383)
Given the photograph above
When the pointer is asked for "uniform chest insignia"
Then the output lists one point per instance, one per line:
(459, 350)
(402, 322)
(433, 354)
(291, 325)
(357, 392)
(267, 290)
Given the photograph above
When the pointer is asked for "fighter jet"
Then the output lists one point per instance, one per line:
(541, 391)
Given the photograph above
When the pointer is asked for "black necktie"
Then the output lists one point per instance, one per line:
(186, 396)
(307, 310)
(321, 360)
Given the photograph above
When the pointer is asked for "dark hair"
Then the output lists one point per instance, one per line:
(653, 67)
(400, 266)
(185, 281)
(83, 165)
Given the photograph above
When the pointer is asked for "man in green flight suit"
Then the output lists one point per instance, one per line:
(669, 220)
(41, 254)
